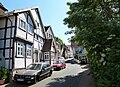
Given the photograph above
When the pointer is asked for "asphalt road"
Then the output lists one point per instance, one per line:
(68, 77)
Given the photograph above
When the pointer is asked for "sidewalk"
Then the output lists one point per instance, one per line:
(86, 80)
(4, 85)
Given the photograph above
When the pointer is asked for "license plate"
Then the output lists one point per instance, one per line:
(28, 81)
(20, 79)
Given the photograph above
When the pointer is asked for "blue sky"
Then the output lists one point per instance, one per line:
(52, 12)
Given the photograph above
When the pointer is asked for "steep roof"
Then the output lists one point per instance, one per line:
(46, 27)
(38, 12)
(50, 28)
(47, 45)
(2, 7)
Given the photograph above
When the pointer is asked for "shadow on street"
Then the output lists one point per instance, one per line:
(82, 79)
(68, 81)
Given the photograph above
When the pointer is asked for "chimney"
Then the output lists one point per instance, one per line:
(2, 9)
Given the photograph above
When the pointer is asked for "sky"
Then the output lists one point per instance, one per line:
(52, 13)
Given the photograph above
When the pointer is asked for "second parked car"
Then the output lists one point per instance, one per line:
(60, 64)
(34, 72)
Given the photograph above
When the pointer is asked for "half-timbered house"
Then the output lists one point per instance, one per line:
(21, 38)
(49, 48)
(39, 36)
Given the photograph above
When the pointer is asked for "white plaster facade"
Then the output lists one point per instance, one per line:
(51, 55)
(21, 27)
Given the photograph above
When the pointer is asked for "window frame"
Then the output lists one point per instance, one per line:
(29, 51)
(21, 22)
(29, 28)
(46, 55)
(21, 51)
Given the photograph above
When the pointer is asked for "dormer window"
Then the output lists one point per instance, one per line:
(30, 25)
(30, 28)
(22, 24)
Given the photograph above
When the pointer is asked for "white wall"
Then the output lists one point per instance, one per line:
(21, 33)
(39, 29)
(19, 63)
(28, 61)
(35, 44)
(22, 16)
(52, 49)
(30, 37)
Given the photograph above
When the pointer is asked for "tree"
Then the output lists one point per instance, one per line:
(97, 28)
(59, 40)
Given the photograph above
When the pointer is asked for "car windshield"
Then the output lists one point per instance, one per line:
(57, 62)
(34, 66)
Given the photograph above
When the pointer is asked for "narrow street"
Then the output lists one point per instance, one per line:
(68, 77)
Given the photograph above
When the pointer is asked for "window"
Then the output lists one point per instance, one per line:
(30, 25)
(49, 35)
(29, 50)
(22, 24)
(46, 55)
(20, 49)
(34, 66)
(30, 28)
(36, 36)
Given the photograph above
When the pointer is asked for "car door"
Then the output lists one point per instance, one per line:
(38, 67)
(43, 71)
(48, 68)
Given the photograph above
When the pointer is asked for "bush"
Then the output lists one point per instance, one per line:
(3, 73)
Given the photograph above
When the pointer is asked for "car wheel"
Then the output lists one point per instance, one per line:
(14, 81)
(50, 73)
(60, 68)
(35, 80)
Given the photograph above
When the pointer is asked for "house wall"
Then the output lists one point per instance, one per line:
(70, 53)
(39, 29)
(49, 34)
(7, 31)
(52, 55)
(1, 10)
(24, 41)
(38, 36)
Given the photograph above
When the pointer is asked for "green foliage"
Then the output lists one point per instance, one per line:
(3, 73)
(97, 28)
(59, 40)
